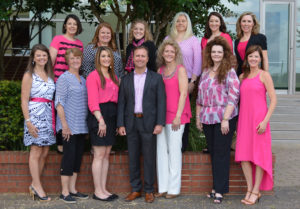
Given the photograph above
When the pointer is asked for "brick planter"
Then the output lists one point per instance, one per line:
(196, 173)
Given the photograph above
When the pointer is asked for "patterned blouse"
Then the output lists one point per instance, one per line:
(214, 97)
(88, 62)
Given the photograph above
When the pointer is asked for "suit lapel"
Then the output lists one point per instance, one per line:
(131, 84)
(147, 82)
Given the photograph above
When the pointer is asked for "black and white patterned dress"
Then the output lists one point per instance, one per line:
(40, 113)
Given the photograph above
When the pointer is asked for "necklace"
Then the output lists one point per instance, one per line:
(168, 76)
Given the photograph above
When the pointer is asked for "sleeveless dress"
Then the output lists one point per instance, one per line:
(250, 145)
(40, 113)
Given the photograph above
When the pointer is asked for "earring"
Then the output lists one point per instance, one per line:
(33, 62)
(247, 64)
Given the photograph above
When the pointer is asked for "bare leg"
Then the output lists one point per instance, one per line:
(105, 170)
(97, 166)
(72, 183)
(247, 169)
(65, 181)
(258, 177)
(34, 159)
(43, 158)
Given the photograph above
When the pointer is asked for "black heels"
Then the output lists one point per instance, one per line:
(35, 195)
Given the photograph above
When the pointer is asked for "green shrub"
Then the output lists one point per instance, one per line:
(11, 117)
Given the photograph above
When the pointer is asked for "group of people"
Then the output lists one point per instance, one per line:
(148, 100)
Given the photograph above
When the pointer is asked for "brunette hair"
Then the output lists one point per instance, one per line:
(112, 43)
(189, 29)
(147, 36)
(255, 29)
(168, 42)
(222, 28)
(225, 65)
(31, 63)
(111, 69)
(79, 26)
(75, 51)
(246, 67)
(141, 47)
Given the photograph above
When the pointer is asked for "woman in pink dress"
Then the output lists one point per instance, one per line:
(253, 147)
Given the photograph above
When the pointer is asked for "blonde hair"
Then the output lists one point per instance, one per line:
(147, 36)
(189, 29)
(168, 42)
(75, 51)
(255, 29)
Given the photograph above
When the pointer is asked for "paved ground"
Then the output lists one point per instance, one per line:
(286, 196)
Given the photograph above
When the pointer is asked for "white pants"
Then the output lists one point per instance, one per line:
(169, 160)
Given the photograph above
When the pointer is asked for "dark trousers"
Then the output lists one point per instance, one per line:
(185, 136)
(138, 141)
(72, 156)
(219, 147)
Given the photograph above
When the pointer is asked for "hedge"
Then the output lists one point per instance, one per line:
(12, 122)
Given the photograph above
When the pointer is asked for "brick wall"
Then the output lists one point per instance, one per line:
(196, 173)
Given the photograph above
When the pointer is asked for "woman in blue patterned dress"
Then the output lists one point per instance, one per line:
(37, 106)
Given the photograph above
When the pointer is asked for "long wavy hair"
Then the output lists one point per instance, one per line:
(112, 43)
(222, 28)
(147, 36)
(31, 63)
(225, 65)
(111, 69)
(255, 29)
(168, 42)
(246, 66)
(189, 29)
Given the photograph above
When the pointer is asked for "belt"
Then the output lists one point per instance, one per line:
(138, 115)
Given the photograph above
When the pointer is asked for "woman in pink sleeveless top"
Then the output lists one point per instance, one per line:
(178, 113)
(253, 146)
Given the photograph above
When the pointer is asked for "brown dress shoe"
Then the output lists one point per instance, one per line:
(171, 196)
(149, 198)
(133, 196)
(157, 195)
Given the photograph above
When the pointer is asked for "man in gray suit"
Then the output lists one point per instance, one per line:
(141, 116)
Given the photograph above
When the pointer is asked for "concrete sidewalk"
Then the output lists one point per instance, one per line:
(286, 191)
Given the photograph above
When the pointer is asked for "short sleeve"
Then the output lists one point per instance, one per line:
(55, 42)
(263, 42)
(93, 92)
(197, 57)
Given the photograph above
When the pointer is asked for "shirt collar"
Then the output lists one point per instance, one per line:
(142, 73)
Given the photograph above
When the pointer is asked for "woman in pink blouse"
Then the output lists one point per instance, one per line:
(103, 88)
(182, 33)
(169, 141)
(217, 110)
(215, 26)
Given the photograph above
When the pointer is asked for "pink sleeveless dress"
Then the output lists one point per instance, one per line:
(250, 145)
(172, 98)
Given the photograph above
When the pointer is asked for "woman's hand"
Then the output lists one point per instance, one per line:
(101, 128)
(33, 131)
(199, 124)
(176, 124)
(261, 128)
(66, 132)
(225, 127)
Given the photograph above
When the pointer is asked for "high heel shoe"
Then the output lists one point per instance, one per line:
(35, 195)
(248, 202)
(243, 200)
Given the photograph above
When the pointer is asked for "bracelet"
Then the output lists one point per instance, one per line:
(225, 119)
(27, 120)
(101, 117)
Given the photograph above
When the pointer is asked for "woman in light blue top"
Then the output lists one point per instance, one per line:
(71, 106)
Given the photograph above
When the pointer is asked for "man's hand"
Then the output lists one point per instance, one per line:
(157, 129)
(122, 131)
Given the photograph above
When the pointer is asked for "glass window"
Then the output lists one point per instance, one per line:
(298, 11)
(298, 75)
(247, 5)
(298, 42)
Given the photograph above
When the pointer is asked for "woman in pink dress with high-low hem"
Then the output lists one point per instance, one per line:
(253, 147)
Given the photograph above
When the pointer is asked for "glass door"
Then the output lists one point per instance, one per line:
(277, 27)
